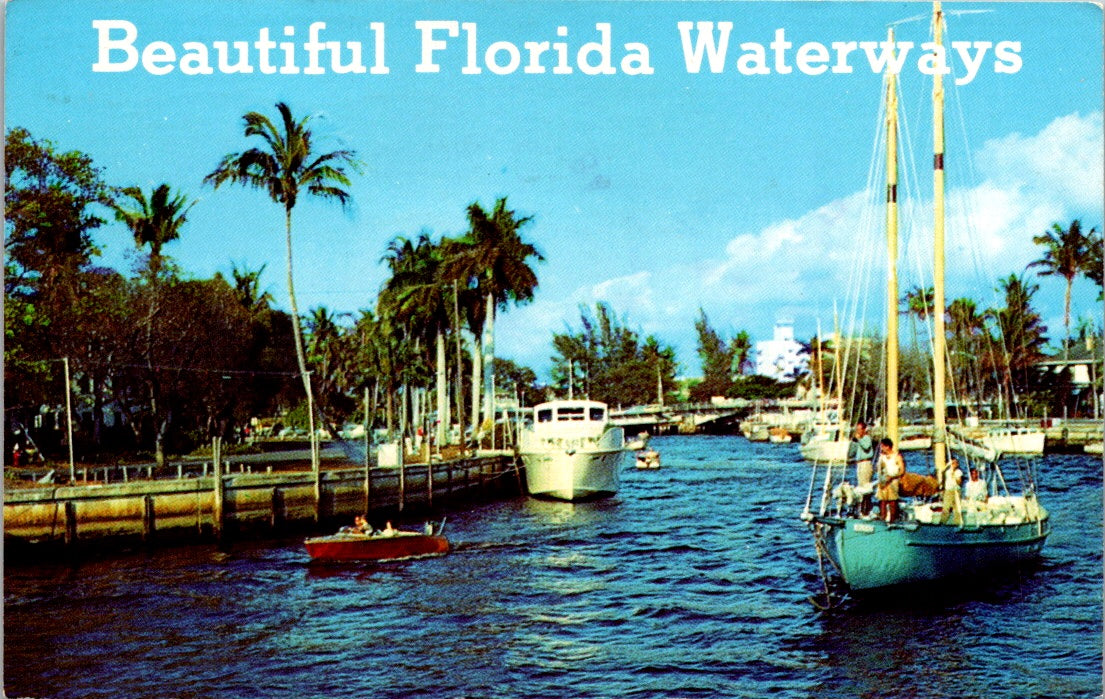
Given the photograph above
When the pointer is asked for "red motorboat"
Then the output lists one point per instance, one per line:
(388, 545)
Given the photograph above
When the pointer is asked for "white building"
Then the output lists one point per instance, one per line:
(782, 357)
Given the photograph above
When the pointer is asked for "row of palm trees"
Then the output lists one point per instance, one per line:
(1001, 346)
(435, 288)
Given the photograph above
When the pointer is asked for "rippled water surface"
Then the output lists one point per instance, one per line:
(692, 582)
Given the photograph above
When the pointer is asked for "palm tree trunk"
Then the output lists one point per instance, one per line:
(489, 364)
(477, 381)
(1066, 319)
(442, 392)
(460, 364)
(299, 353)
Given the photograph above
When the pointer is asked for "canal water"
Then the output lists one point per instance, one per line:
(692, 582)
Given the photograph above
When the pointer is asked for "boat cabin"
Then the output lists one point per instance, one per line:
(570, 417)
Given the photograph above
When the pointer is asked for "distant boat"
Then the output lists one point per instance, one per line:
(914, 442)
(1094, 448)
(922, 545)
(388, 545)
(1014, 440)
(648, 459)
(572, 451)
(825, 443)
(779, 435)
(639, 443)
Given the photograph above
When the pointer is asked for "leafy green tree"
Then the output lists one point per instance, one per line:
(716, 357)
(285, 166)
(608, 362)
(52, 204)
(1066, 254)
(515, 379)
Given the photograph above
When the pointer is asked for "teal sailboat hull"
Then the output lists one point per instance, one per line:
(872, 554)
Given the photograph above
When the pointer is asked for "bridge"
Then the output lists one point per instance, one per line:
(691, 418)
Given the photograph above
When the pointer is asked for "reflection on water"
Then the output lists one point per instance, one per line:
(692, 582)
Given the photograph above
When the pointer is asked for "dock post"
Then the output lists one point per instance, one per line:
(318, 488)
(429, 484)
(149, 524)
(367, 487)
(217, 512)
(278, 512)
(70, 522)
(402, 476)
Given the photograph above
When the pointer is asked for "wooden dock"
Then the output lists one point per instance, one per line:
(227, 501)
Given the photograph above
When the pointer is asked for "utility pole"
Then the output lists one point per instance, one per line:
(69, 420)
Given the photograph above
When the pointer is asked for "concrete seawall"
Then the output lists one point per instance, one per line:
(202, 507)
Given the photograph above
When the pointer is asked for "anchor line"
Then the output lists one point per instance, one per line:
(822, 554)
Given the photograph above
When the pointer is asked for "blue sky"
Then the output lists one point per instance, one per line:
(658, 193)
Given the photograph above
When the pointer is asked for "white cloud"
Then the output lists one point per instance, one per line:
(1060, 166)
(800, 266)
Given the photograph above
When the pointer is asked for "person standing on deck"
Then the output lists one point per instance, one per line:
(976, 488)
(862, 452)
(891, 468)
(953, 479)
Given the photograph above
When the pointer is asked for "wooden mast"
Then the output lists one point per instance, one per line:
(892, 251)
(939, 434)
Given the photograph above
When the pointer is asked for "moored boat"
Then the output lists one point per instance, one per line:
(921, 541)
(825, 443)
(388, 545)
(572, 451)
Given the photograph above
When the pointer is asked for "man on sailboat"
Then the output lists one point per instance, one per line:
(862, 452)
(952, 480)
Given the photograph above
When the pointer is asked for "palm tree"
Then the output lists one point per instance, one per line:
(154, 221)
(285, 166)
(1066, 254)
(917, 303)
(967, 327)
(1094, 269)
(493, 259)
(1022, 332)
(247, 289)
(417, 295)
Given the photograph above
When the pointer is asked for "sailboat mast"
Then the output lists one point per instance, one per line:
(892, 251)
(939, 435)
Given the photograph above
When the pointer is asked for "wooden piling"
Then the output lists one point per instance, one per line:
(70, 523)
(149, 522)
(318, 486)
(279, 514)
(402, 477)
(367, 487)
(220, 492)
(429, 483)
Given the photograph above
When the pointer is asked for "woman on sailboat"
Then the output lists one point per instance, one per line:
(891, 468)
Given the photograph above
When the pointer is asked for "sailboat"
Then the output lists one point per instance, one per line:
(826, 439)
(921, 545)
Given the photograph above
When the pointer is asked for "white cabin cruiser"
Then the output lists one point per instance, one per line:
(572, 451)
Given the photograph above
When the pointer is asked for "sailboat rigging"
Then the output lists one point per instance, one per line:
(920, 542)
